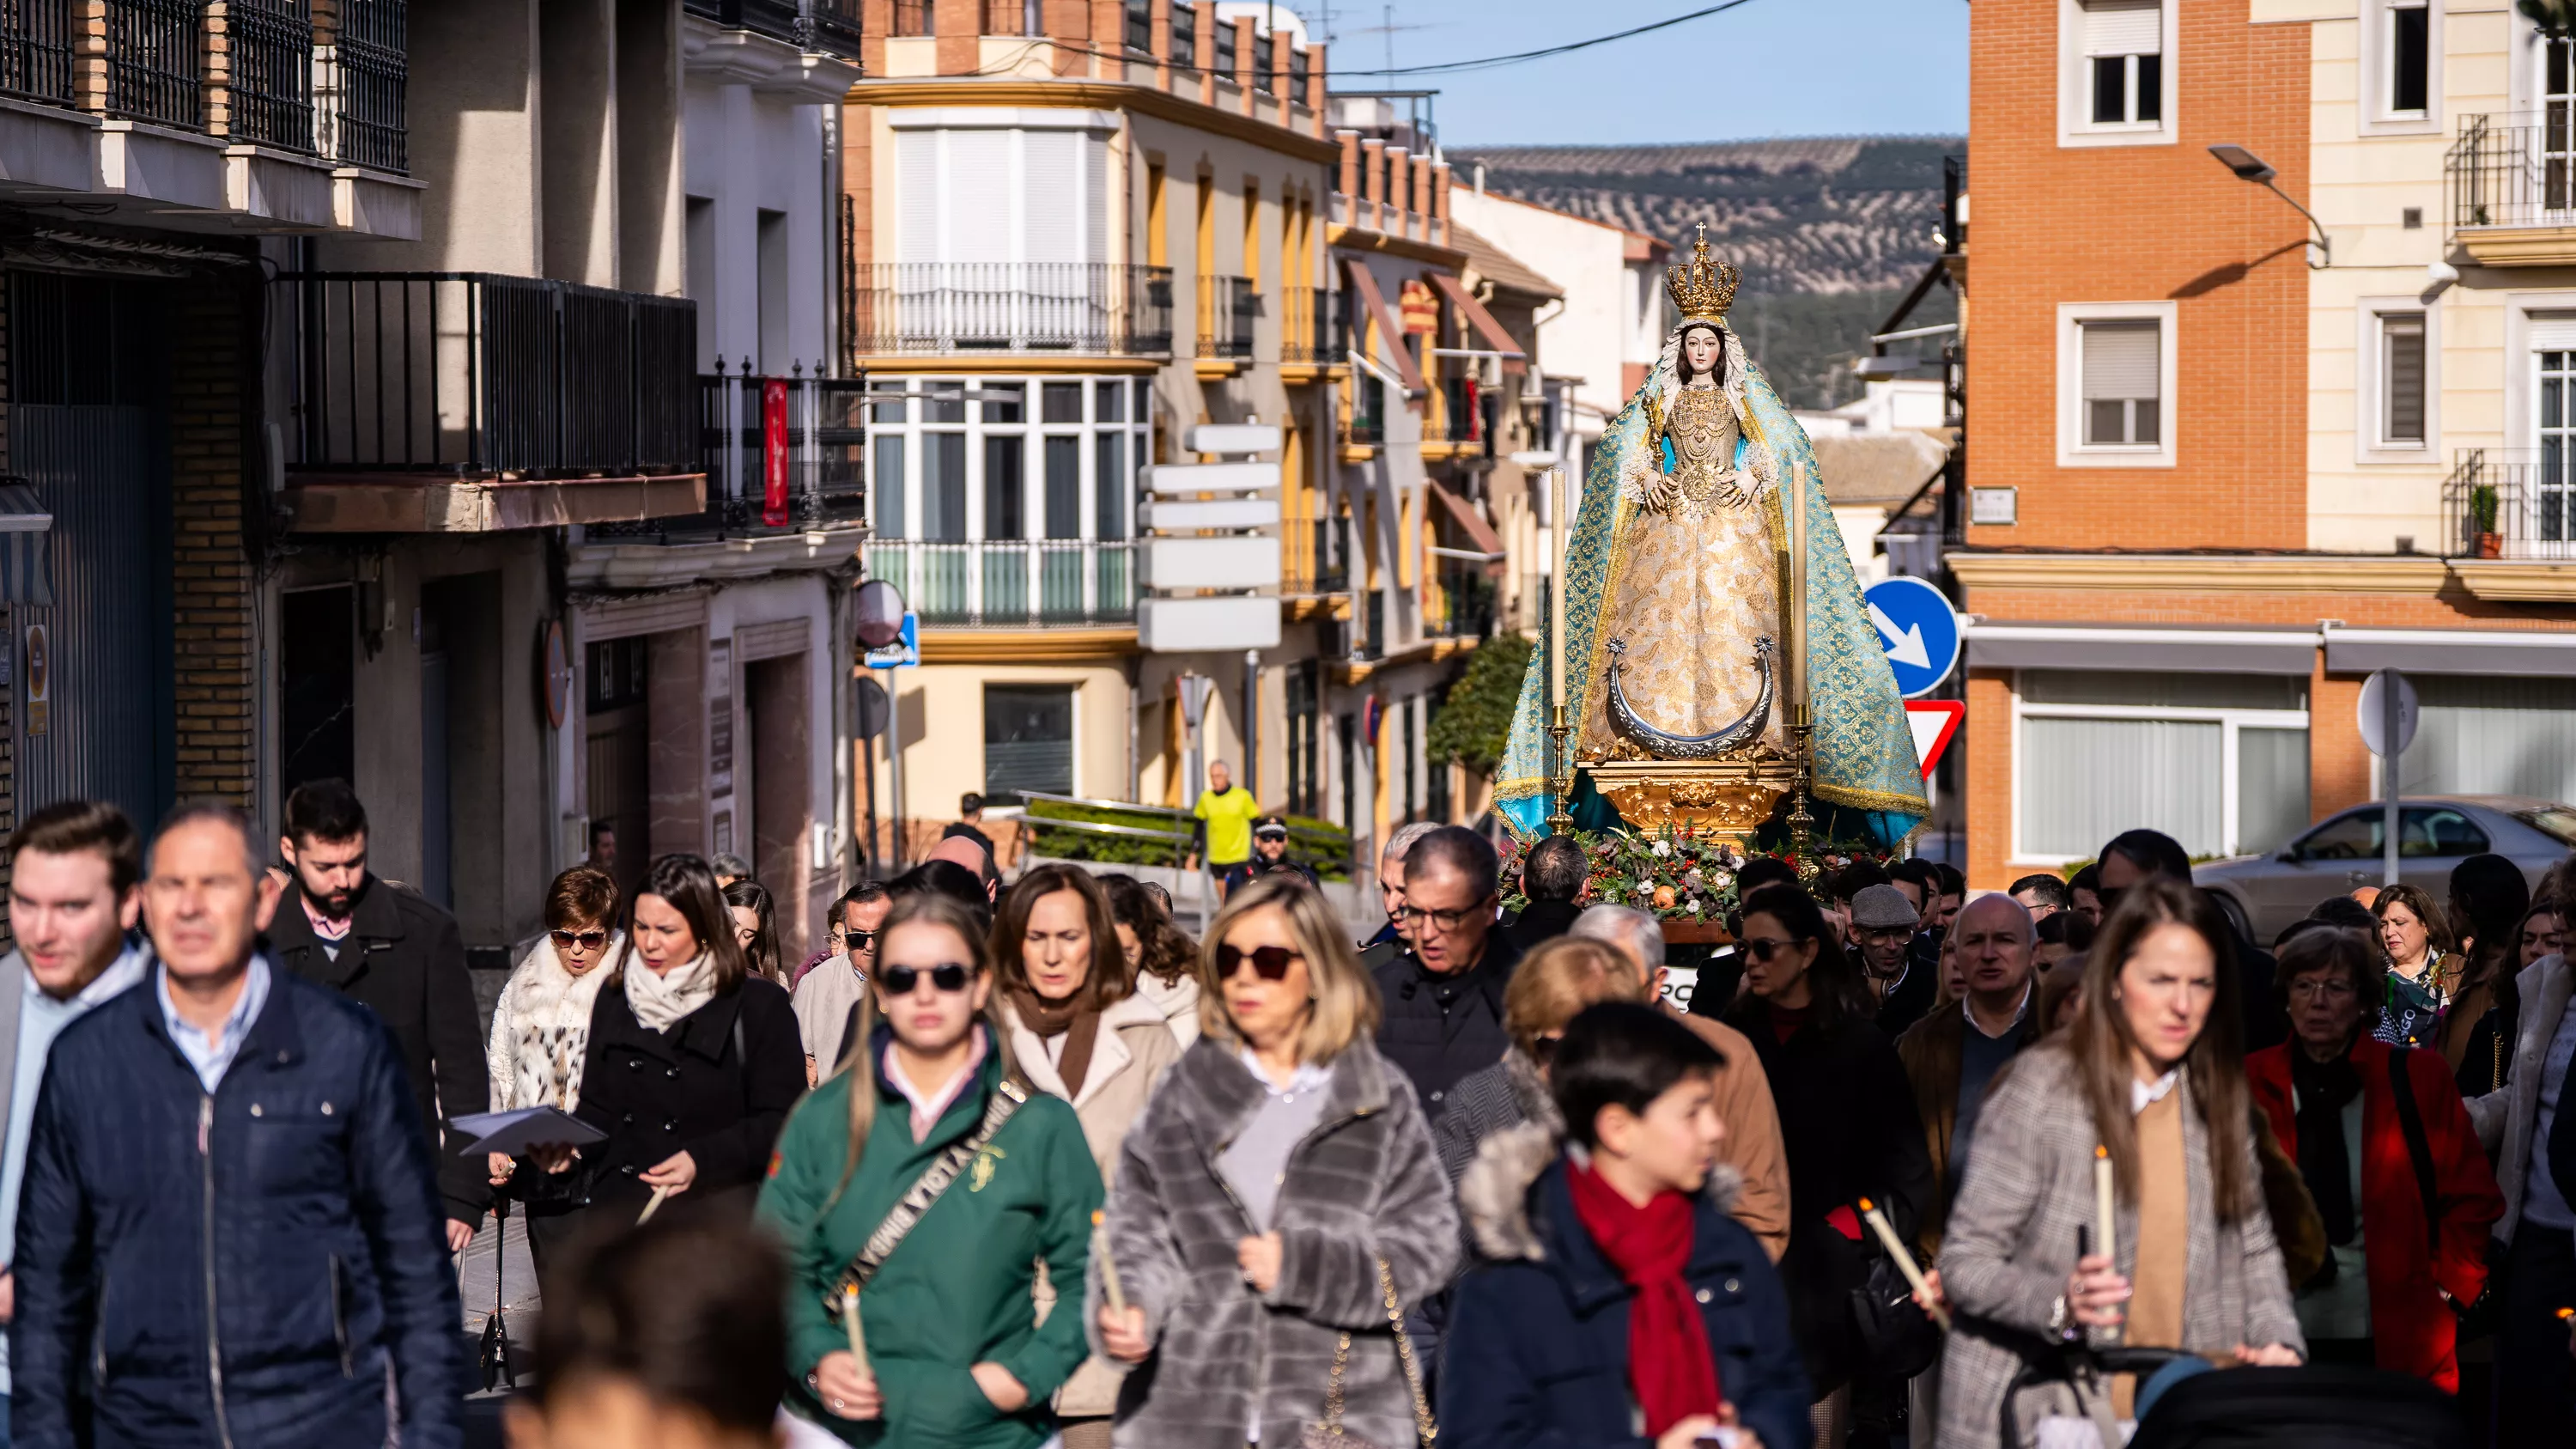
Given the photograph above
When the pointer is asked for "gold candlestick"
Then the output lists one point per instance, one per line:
(1801, 824)
(1562, 778)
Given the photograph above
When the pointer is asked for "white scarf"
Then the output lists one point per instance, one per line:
(660, 1001)
(537, 1051)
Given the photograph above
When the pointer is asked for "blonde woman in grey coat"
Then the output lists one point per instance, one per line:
(2152, 1071)
(1280, 1164)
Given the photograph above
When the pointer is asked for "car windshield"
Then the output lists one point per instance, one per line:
(2558, 822)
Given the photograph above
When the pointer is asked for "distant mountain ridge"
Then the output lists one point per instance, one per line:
(1828, 230)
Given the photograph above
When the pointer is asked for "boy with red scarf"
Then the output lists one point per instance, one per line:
(1614, 1302)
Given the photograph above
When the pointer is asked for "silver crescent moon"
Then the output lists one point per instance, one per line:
(1693, 747)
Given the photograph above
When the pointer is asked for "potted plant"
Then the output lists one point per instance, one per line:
(2482, 521)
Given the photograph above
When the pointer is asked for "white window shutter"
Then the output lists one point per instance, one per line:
(1095, 198)
(2553, 331)
(2124, 27)
(917, 196)
(2121, 360)
(1053, 231)
(978, 187)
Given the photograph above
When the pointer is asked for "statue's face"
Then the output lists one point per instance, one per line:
(1701, 347)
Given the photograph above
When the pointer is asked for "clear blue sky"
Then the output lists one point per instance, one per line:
(1787, 68)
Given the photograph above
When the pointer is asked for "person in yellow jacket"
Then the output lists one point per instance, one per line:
(1228, 813)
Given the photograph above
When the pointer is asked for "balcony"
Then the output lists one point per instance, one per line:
(1310, 565)
(1227, 309)
(1468, 412)
(251, 118)
(829, 27)
(467, 402)
(1364, 422)
(2510, 504)
(1460, 605)
(949, 308)
(1314, 332)
(2512, 183)
(782, 456)
(1012, 583)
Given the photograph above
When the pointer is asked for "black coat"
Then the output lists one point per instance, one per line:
(717, 1086)
(404, 960)
(1541, 921)
(1849, 1130)
(1439, 1028)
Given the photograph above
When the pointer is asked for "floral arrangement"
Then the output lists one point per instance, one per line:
(1677, 873)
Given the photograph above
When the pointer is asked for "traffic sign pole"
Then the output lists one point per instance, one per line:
(2389, 707)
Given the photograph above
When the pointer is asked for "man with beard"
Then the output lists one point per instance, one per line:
(385, 947)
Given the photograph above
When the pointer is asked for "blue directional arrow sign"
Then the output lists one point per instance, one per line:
(1917, 629)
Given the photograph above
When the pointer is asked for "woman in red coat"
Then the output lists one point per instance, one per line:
(2386, 1148)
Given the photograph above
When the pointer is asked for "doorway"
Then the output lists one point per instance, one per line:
(779, 698)
(618, 753)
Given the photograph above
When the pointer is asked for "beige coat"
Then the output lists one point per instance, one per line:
(1135, 1047)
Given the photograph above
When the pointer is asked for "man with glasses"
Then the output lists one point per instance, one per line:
(1269, 857)
(1444, 995)
(1882, 926)
(829, 994)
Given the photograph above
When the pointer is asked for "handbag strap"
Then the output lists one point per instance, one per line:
(925, 1190)
(2419, 1150)
(1424, 1428)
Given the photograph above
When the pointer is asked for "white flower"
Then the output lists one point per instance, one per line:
(1694, 905)
(1663, 847)
(1724, 878)
(1645, 887)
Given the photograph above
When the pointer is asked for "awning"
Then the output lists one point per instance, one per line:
(1479, 532)
(1387, 325)
(2523, 652)
(26, 552)
(2161, 650)
(1483, 321)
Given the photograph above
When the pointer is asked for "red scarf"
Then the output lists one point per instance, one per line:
(1670, 1368)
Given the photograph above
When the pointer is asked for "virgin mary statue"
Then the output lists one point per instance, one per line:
(1676, 579)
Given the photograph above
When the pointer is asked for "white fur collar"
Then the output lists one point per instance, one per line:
(1493, 1195)
(549, 1011)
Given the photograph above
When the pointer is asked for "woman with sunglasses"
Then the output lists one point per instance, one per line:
(1279, 1189)
(954, 1355)
(541, 1030)
(1079, 1032)
(692, 1060)
(755, 929)
(1847, 1127)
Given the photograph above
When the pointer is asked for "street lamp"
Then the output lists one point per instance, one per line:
(2250, 167)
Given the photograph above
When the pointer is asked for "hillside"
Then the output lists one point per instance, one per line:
(1829, 231)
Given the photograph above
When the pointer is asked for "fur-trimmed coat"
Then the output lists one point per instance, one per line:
(1363, 1186)
(541, 1028)
(1537, 1348)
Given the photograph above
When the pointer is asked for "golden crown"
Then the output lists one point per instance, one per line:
(1702, 289)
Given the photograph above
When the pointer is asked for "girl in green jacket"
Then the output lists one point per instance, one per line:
(953, 1355)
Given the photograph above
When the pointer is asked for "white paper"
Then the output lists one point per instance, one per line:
(513, 1133)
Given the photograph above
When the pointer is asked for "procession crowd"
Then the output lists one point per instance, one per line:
(1002, 1168)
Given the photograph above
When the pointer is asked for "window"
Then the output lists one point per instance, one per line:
(1005, 485)
(1224, 38)
(2115, 375)
(2423, 832)
(1140, 26)
(2401, 379)
(2121, 373)
(2410, 57)
(1063, 487)
(2493, 735)
(1297, 74)
(912, 17)
(2123, 43)
(2219, 762)
(1026, 198)
(1028, 741)
(1185, 36)
(2548, 513)
(1064, 475)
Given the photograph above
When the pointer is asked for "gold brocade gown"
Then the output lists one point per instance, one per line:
(1694, 582)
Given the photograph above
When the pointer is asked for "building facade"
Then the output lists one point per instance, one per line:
(2223, 464)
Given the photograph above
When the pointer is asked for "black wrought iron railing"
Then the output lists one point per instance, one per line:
(829, 27)
(2513, 171)
(1312, 326)
(774, 18)
(362, 80)
(36, 50)
(952, 307)
(269, 96)
(781, 455)
(1011, 583)
(1312, 564)
(477, 375)
(1461, 606)
(1365, 423)
(1462, 412)
(155, 61)
(2511, 503)
(1227, 307)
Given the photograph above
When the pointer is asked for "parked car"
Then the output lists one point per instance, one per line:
(2265, 893)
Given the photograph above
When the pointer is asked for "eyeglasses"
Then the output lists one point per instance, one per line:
(2328, 986)
(860, 940)
(1885, 933)
(948, 978)
(1269, 962)
(1442, 921)
(586, 940)
(1270, 835)
(1763, 948)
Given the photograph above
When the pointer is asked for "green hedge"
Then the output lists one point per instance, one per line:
(1322, 845)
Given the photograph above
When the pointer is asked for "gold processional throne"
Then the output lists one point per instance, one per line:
(1724, 785)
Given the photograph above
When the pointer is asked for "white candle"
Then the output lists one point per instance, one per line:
(2106, 1239)
(1904, 1262)
(1108, 1266)
(1797, 629)
(1559, 531)
(652, 1207)
(850, 1323)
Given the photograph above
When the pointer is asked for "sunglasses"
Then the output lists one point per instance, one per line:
(587, 940)
(1271, 962)
(948, 978)
(1763, 948)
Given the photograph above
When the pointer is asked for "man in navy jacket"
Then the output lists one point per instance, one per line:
(229, 1231)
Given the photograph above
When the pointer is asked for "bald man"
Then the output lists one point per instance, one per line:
(1951, 1056)
(958, 850)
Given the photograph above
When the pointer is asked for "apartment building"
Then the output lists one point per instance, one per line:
(2227, 461)
(549, 583)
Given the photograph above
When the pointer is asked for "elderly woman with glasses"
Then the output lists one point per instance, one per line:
(936, 1343)
(1276, 1208)
(541, 1028)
